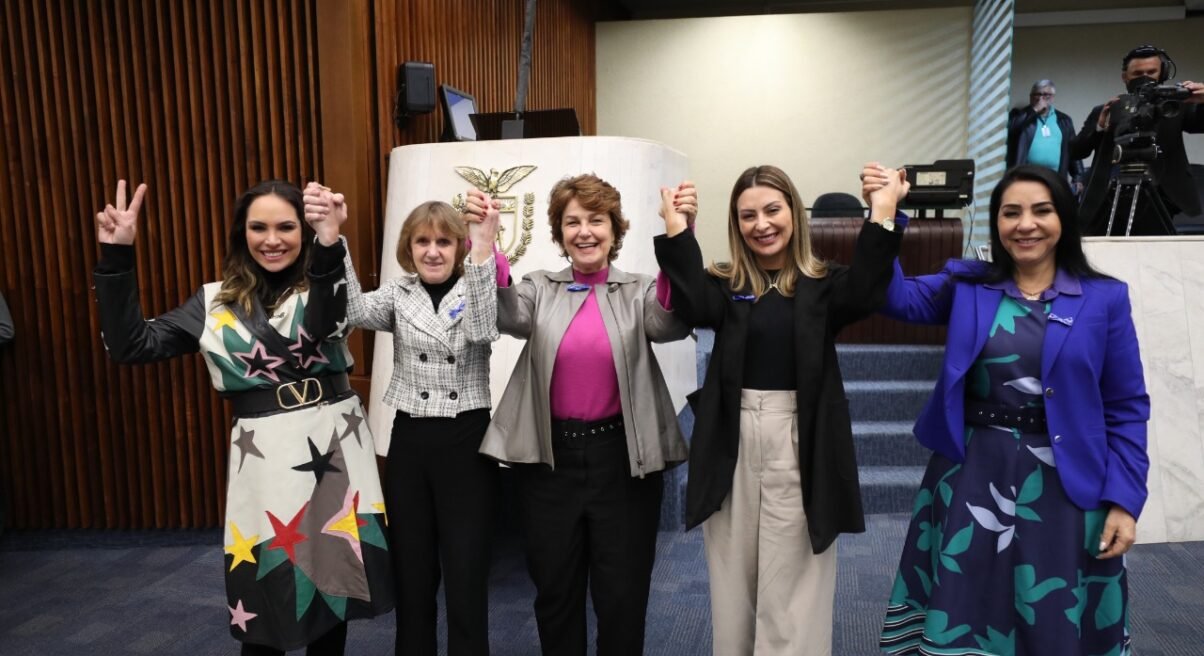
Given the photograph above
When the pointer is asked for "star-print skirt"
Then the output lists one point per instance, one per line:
(305, 531)
(999, 561)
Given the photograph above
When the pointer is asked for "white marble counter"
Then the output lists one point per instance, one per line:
(1166, 286)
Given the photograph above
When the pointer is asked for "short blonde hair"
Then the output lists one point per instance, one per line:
(437, 216)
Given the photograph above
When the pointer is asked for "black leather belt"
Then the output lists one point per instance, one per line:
(576, 432)
(1025, 420)
(291, 396)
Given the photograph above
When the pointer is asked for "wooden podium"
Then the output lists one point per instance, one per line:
(521, 173)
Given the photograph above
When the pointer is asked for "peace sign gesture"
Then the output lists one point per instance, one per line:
(119, 225)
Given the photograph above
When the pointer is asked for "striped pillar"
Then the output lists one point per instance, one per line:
(990, 85)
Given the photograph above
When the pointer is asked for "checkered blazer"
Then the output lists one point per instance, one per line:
(440, 359)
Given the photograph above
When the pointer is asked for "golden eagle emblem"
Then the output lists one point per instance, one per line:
(513, 240)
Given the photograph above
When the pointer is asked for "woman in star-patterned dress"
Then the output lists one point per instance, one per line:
(305, 547)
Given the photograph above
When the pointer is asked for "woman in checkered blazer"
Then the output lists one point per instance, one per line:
(440, 493)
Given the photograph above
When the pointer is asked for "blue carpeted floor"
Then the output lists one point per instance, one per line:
(161, 593)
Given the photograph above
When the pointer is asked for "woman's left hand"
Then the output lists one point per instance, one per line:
(325, 211)
(1120, 532)
(679, 207)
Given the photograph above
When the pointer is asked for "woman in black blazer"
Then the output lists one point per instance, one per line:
(773, 477)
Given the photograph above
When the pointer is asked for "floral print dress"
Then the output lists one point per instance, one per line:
(997, 560)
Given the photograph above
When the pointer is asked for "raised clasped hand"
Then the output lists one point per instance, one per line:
(119, 224)
(325, 211)
(882, 185)
(482, 214)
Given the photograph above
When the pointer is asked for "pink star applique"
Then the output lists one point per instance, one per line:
(259, 363)
(307, 350)
(346, 525)
(240, 617)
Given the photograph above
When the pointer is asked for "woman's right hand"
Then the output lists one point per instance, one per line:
(679, 207)
(119, 225)
(883, 187)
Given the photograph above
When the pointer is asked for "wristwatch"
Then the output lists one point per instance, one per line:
(888, 223)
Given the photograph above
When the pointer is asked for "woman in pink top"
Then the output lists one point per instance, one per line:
(587, 421)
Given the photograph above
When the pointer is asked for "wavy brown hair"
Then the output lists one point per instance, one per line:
(743, 271)
(595, 195)
(242, 277)
(440, 217)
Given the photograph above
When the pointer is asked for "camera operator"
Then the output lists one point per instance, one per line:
(1142, 66)
(1039, 134)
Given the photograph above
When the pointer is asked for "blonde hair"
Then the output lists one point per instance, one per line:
(743, 271)
(440, 217)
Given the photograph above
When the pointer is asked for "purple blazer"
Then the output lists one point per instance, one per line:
(1096, 404)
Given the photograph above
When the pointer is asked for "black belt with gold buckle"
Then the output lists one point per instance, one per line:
(292, 395)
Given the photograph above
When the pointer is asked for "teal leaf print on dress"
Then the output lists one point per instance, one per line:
(1028, 591)
(1075, 612)
(997, 643)
(957, 546)
(898, 594)
(923, 500)
(1111, 606)
(979, 381)
(935, 628)
(925, 582)
(1093, 528)
(1032, 488)
(1005, 317)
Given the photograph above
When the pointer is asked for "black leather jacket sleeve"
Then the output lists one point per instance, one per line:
(128, 336)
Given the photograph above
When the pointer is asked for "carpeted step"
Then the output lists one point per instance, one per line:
(887, 400)
(889, 489)
(864, 362)
(887, 443)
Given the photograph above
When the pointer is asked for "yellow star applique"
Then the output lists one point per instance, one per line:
(241, 549)
(223, 317)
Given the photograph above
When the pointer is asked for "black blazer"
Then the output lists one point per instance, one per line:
(831, 492)
(1170, 169)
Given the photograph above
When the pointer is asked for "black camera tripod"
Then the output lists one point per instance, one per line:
(1135, 181)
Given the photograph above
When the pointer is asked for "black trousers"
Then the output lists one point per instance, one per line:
(588, 523)
(331, 644)
(440, 500)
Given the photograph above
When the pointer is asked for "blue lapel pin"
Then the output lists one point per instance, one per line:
(1065, 321)
(744, 297)
(578, 287)
(454, 313)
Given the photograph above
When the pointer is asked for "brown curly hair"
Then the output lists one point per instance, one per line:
(594, 194)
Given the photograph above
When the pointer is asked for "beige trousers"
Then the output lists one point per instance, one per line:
(770, 595)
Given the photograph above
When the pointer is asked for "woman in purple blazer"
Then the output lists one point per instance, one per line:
(1038, 428)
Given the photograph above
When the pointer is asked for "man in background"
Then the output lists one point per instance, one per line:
(1039, 134)
(1171, 176)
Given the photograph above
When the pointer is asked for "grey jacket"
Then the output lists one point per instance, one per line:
(539, 309)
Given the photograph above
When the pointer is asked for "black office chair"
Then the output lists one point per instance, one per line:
(837, 205)
(1192, 225)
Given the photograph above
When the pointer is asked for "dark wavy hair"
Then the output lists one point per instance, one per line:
(242, 277)
(1068, 254)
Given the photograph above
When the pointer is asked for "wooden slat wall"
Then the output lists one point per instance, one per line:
(927, 244)
(199, 99)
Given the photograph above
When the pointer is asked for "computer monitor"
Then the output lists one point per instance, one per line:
(457, 107)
